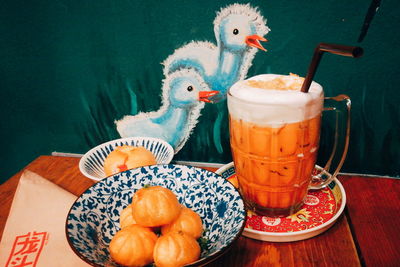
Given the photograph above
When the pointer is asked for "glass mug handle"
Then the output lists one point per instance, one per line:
(341, 106)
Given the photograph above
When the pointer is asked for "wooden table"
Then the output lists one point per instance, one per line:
(365, 235)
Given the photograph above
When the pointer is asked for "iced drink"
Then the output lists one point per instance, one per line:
(274, 136)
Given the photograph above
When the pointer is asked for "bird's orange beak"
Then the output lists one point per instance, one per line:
(253, 40)
(205, 95)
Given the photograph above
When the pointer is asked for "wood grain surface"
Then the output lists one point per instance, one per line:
(332, 248)
(366, 234)
(373, 206)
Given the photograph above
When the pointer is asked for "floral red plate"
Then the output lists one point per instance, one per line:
(320, 211)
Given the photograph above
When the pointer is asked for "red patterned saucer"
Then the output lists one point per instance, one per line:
(320, 211)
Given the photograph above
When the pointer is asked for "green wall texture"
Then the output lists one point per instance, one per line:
(68, 69)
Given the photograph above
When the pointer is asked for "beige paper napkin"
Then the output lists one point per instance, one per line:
(34, 234)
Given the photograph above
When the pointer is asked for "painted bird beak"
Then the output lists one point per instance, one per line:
(205, 95)
(253, 40)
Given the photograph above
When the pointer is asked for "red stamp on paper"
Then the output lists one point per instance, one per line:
(26, 249)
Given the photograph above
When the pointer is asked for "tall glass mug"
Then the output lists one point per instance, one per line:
(274, 137)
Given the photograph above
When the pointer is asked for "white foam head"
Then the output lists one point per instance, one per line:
(256, 100)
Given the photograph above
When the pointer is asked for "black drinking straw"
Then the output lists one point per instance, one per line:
(343, 50)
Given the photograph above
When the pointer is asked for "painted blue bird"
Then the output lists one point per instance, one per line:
(238, 29)
(183, 95)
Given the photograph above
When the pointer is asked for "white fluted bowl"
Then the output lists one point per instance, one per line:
(92, 163)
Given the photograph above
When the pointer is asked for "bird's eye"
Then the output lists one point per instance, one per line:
(190, 88)
(235, 31)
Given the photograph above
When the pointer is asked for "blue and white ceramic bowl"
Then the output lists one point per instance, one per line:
(92, 163)
(94, 217)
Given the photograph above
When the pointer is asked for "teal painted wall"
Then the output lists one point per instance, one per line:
(68, 69)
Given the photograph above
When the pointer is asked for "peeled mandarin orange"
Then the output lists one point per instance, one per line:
(133, 246)
(175, 249)
(155, 206)
(188, 222)
(127, 157)
(126, 217)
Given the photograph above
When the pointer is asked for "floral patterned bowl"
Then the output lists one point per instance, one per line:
(92, 163)
(94, 217)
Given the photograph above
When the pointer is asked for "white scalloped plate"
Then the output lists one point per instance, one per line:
(319, 212)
